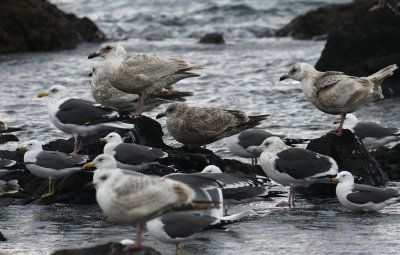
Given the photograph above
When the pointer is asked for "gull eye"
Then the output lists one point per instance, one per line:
(54, 90)
(103, 178)
(108, 47)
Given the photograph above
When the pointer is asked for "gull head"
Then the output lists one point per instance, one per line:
(32, 145)
(102, 161)
(109, 50)
(349, 122)
(272, 144)
(343, 177)
(112, 138)
(173, 110)
(212, 169)
(298, 72)
(55, 92)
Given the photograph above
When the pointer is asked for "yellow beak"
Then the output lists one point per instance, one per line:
(337, 122)
(21, 148)
(88, 165)
(42, 94)
(334, 179)
(102, 139)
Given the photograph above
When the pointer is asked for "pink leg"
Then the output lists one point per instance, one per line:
(139, 107)
(139, 230)
(292, 193)
(338, 131)
(78, 144)
(289, 202)
(381, 4)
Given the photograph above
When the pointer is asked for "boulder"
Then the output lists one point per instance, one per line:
(389, 159)
(108, 249)
(215, 38)
(38, 25)
(8, 138)
(2, 238)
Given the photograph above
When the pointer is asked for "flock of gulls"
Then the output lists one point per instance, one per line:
(177, 206)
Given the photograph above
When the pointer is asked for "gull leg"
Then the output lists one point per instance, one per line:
(49, 193)
(53, 186)
(284, 203)
(139, 107)
(139, 230)
(181, 249)
(381, 4)
(255, 161)
(293, 192)
(226, 211)
(252, 161)
(176, 248)
(76, 144)
(338, 131)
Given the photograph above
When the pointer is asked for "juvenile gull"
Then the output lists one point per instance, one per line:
(106, 161)
(50, 164)
(294, 166)
(139, 73)
(361, 197)
(80, 117)
(5, 164)
(136, 199)
(129, 155)
(107, 95)
(204, 125)
(9, 187)
(336, 93)
(371, 134)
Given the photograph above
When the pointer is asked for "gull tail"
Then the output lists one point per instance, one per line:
(378, 77)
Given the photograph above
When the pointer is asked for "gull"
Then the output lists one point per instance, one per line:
(5, 164)
(129, 155)
(204, 125)
(336, 93)
(50, 164)
(361, 197)
(130, 199)
(140, 73)
(80, 117)
(371, 134)
(294, 166)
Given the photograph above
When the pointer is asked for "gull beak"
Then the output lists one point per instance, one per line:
(43, 94)
(102, 140)
(283, 77)
(21, 148)
(93, 55)
(160, 115)
(88, 165)
(334, 179)
(337, 122)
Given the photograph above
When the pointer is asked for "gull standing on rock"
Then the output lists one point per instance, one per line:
(139, 73)
(294, 166)
(132, 199)
(80, 117)
(204, 125)
(336, 93)
(50, 164)
(361, 197)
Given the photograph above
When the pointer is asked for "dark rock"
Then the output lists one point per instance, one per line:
(351, 155)
(389, 159)
(8, 138)
(2, 238)
(38, 25)
(109, 249)
(215, 38)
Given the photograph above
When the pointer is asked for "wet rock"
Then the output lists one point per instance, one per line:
(389, 159)
(351, 155)
(108, 249)
(2, 238)
(38, 25)
(8, 138)
(215, 38)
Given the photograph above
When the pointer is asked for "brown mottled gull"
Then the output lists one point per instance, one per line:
(139, 73)
(130, 199)
(337, 93)
(107, 95)
(204, 125)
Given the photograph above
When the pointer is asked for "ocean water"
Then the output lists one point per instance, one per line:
(242, 74)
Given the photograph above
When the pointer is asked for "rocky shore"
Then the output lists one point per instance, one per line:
(38, 25)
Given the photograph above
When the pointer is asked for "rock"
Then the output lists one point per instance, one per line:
(215, 38)
(37, 25)
(2, 238)
(389, 159)
(8, 138)
(108, 249)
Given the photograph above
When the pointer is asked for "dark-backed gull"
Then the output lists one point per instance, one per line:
(361, 197)
(139, 73)
(80, 117)
(294, 166)
(204, 125)
(371, 134)
(129, 155)
(50, 164)
(336, 93)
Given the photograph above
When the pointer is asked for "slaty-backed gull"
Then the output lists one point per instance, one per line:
(361, 197)
(50, 164)
(371, 134)
(336, 93)
(294, 166)
(204, 125)
(139, 73)
(80, 117)
(129, 155)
